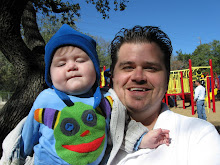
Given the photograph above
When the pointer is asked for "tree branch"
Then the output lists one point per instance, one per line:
(11, 43)
(55, 9)
(32, 35)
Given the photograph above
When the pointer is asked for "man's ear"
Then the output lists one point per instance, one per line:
(168, 79)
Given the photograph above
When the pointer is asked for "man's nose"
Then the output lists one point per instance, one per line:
(72, 66)
(139, 76)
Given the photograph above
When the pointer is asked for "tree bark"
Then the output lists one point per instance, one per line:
(26, 53)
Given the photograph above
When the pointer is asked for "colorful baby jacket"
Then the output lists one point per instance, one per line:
(58, 134)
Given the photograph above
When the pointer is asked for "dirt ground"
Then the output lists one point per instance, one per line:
(212, 117)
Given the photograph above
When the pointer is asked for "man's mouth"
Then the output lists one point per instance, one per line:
(138, 89)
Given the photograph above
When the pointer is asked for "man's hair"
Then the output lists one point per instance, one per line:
(142, 34)
(199, 81)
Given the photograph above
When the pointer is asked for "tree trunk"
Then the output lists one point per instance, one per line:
(26, 55)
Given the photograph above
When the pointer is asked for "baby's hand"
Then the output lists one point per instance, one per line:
(154, 138)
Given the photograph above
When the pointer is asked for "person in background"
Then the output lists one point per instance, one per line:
(140, 74)
(199, 97)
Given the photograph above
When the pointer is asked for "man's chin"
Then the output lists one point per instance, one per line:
(135, 106)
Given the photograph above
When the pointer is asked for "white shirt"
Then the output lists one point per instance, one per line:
(199, 93)
(193, 141)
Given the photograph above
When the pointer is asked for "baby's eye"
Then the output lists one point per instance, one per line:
(80, 60)
(59, 64)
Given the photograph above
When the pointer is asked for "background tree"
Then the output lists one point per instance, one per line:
(200, 57)
(7, 75)
(183, 58)
(176, 64)
(103, 53)
(204, 52)
(178, 61)
(26, 52)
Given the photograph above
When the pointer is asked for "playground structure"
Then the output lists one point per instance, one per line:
(181, 84)
(102, 77)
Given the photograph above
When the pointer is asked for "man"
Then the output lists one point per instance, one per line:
(200, 100)
(140, 73)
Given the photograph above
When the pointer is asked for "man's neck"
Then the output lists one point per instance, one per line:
(146, 118)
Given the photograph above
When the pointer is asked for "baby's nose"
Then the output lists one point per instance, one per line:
(72, 66)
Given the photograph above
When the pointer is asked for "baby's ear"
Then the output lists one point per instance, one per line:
(47, 116)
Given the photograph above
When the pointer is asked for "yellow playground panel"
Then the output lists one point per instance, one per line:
(176, 87)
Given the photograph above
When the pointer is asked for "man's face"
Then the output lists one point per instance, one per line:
(72, 71)
(140, 77)
(196, 83)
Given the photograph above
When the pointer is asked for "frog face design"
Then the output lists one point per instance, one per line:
(79, 132)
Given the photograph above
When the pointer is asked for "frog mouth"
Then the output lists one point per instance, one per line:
(85, 147)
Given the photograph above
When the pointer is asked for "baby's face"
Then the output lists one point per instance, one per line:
(72, 71)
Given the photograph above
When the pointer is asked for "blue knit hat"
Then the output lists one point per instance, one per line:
(68, 36)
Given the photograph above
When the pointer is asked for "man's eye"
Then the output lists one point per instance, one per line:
(152, 69)
(127, 68)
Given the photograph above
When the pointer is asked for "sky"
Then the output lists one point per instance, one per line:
(187, 22)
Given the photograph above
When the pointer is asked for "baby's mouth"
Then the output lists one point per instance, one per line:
(74, 77)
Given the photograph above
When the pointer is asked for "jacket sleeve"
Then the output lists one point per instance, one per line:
(30, 135)
(11, 146)
(206, 146)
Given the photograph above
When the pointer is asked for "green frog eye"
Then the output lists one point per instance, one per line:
(89, 118)
(69, 126)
